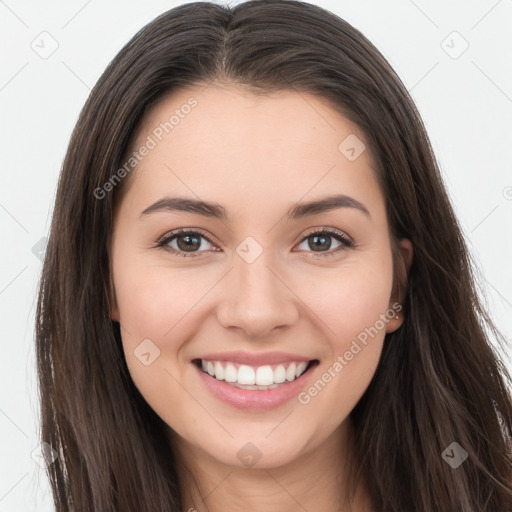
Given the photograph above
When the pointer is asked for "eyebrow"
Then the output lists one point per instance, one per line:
(296, 211)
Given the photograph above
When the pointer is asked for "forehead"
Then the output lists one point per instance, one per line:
(227, 143)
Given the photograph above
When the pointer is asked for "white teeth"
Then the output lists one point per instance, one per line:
(230, 373)
(280, 374)
(290, 373)
(298, 372)
(219, 371)
(248, 377)
(264, 376)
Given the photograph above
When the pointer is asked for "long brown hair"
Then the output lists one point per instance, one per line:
(439, 380)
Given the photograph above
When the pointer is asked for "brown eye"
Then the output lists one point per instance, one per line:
(184, 243)
(321, 242)
(187, 242)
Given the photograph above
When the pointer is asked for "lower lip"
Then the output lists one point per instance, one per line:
(255, 400)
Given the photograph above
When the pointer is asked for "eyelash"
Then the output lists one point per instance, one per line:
(340, 237)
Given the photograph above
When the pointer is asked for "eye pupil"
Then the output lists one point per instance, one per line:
(188, 245)
(326, 241)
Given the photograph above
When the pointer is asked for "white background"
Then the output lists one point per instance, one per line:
(466, 103)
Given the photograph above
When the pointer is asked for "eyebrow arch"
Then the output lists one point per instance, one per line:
(217, 211)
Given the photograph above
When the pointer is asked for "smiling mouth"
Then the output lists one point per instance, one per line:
(261, 378)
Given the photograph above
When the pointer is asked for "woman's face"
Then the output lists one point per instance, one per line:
(255, 292)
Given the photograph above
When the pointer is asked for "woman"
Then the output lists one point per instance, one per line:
(255, 292)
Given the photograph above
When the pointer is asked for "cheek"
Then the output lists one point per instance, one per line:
(151, 300)
(154, 300)
(350, 300)
(351, 307)
(153, 305)
(160, 305)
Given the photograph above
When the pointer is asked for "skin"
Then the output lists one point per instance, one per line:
(255, 156)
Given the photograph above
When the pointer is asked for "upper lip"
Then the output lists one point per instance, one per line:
(254, 359)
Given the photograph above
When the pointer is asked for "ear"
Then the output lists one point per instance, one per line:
(112, 302)
(402, 257)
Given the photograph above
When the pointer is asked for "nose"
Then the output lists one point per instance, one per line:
(256, 298)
